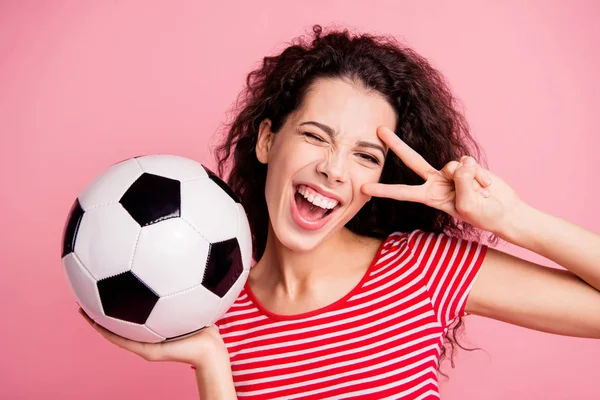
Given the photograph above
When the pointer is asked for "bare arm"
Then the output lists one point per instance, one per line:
(204, 350)
(523, 293)
(570, 246)
(214, 378)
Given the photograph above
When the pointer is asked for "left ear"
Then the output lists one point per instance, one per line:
(264, 141)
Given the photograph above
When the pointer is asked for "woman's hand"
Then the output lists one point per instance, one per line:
(463, 189)
(198, 350)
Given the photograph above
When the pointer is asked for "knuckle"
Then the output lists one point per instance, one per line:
(451, 165)
(464, 208)
(462, 173)
(431, 173)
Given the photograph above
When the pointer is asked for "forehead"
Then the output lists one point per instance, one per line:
(346, 107)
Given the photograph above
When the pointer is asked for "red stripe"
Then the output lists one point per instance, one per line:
(384, 269)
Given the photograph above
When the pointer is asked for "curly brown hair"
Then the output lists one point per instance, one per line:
(428, 121)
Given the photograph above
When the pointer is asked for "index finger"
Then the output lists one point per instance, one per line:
(407, 154)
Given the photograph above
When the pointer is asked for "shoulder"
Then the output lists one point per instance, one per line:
(419, 242)
(402, 240)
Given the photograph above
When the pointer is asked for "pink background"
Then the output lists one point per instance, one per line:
(85, 84)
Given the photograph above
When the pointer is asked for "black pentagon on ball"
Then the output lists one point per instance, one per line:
(71, 228)
(223, 267)
(221, 184)
(127, 298)
(152, 198)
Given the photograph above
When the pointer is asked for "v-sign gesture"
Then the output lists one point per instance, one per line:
(462, 188)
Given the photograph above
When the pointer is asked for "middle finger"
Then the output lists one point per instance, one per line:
(407, 154)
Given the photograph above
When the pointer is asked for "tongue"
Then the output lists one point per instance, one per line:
(307, 210)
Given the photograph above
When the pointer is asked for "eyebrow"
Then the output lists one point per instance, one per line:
(332, 133)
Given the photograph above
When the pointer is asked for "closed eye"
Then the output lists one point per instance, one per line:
(365, 156)
(313, 136)
(369, 158)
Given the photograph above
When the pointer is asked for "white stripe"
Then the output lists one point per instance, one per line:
(370, 391)
(463, 280)
(241, 312)
(439, 265)
(328, 335)
(340, 385)
(347, 310)
(391, 385)
(254, 309)
(242, 297)
(385, 254)
(447, 267)
(431, 256)
(329, 347)
(372, 367)
(237, 304)
(389, 270)
(245, 321)
(380, 288)
(470, 287)
(318, 327)
(424, 395)
(449, 287)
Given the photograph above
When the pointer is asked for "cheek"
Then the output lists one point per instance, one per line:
(299, 157)
(361, 176)
(271, 185)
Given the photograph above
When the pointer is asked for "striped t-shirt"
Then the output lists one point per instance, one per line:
(381, 340)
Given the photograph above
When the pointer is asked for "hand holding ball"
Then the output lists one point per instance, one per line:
(156, 248)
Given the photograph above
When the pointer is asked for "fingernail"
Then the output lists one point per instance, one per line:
(485, 193)
(487, 181)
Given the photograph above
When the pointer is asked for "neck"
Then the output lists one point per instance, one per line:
(295, 273)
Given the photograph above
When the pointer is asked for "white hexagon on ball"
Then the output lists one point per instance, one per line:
(137, 332)
(244, 237)
(83, 286)
(105, 240)
(209, 209)
(111, 185)
(174, 167)
(170, 257)
(184, 312)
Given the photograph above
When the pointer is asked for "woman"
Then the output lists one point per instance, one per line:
(361, 185)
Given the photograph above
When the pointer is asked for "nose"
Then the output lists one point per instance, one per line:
(333, 167)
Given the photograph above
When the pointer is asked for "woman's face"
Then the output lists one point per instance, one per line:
(319, 160)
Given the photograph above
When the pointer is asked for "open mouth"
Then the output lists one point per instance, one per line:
(311, 205)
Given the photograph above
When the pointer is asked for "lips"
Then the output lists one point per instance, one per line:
(320, 191)
(316, 198)
(311, 225)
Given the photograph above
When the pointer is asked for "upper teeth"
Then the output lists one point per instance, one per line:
(316, 199)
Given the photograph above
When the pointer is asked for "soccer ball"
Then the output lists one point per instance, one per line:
(156, 248)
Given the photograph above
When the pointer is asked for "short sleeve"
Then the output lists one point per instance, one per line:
(450, 266)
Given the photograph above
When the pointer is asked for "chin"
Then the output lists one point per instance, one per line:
(298, 241)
